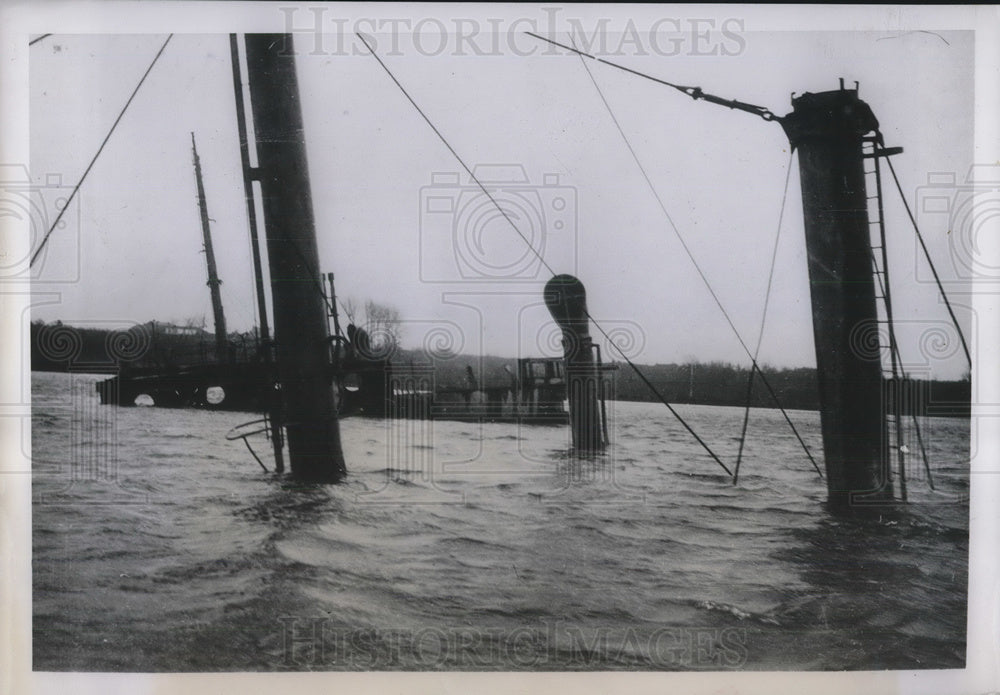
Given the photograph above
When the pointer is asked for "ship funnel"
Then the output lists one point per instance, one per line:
(566, 300)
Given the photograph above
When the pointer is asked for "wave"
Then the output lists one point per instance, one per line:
(735, 611)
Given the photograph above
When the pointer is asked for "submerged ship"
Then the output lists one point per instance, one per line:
(534, 394)
(310, 375)
(182, 369)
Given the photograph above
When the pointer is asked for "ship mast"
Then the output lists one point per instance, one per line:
(300, 319)
(828, 129)
(272, 402)
(221, 340)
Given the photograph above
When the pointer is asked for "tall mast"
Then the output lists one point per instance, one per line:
(300, 321)
(273, 398)
(828, 130)
(221, 339)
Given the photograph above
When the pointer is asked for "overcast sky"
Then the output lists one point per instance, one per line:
(387, 192)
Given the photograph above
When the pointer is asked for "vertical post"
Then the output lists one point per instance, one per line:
(273, 398)
(299, 314)
(566, 300)
(896, 389)
(828, 129)
(221, 338)
(333, 305)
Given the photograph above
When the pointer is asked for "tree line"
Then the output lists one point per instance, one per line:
(58, 347)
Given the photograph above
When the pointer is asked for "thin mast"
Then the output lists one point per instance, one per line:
(221, 339)
(333, 306)
(273, 403)
(248, 174)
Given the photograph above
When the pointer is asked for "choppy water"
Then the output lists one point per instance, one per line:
(160, 546)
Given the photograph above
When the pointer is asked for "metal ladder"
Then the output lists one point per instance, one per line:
(893, 375)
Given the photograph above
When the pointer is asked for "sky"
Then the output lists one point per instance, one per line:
(399, 222)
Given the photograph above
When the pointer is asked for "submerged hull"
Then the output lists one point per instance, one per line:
(364, 389)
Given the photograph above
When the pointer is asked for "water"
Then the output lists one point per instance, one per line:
(160, 546)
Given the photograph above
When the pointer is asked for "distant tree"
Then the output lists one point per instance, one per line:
(350, 308)
(381, 323)
(384, 327)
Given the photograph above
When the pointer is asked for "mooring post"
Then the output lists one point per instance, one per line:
(566, 300)
(300, 328)
(828, 129)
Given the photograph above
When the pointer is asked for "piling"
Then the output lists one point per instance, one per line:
(300, 328)
(566, 300)
(827, 129)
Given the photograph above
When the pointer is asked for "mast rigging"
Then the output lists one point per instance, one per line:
(828, 129)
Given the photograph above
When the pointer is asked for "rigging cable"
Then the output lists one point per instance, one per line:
(927, 255)
(940, 286)
(691, 257)
(538, 255)
(107, 137)
(763, 318)
(38, 38)
(697, 93)
(693, 92)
